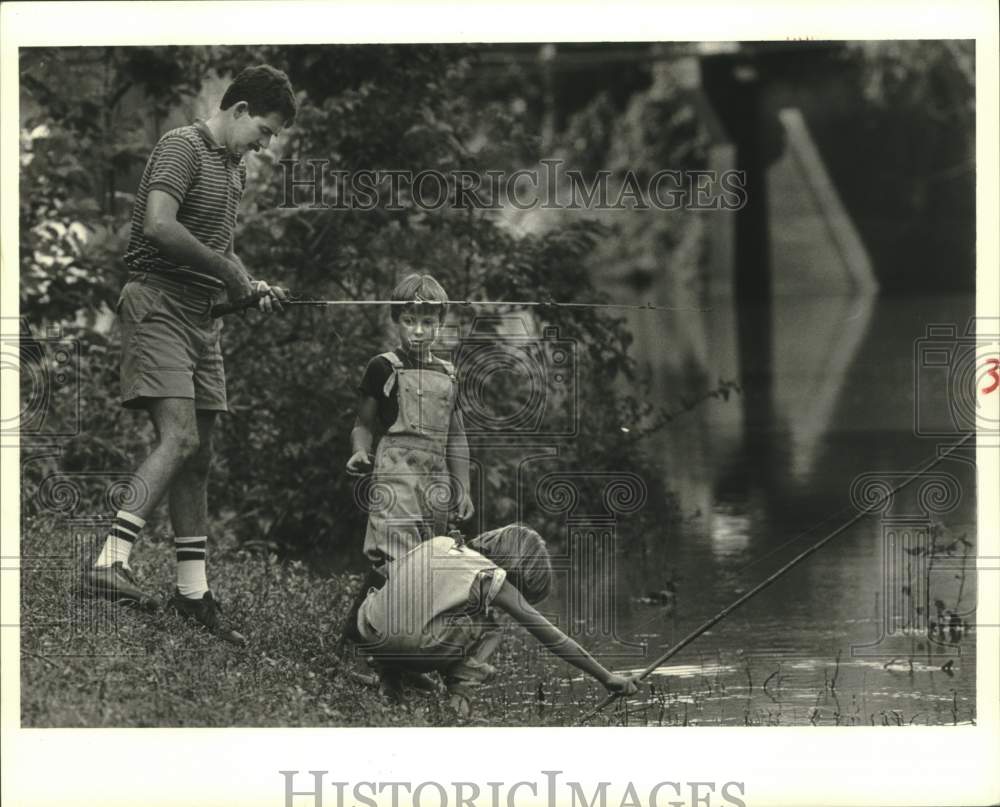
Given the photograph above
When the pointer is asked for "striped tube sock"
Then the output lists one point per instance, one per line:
(191, 579)
(118, 544)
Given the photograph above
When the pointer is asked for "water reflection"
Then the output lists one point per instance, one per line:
(828, 387)
(730, 531)
(815, 343)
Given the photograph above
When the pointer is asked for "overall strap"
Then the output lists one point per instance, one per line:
(447, 365)
(391, 357)
(397, 365)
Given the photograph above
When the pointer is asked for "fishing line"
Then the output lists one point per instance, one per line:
(246, 303)
(705, 626)
(796, 539)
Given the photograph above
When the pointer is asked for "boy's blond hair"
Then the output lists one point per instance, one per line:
(521, 552)
(416, 289)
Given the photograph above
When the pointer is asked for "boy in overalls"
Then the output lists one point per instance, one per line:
(408, 397)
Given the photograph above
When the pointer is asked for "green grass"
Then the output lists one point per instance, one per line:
(88, 663)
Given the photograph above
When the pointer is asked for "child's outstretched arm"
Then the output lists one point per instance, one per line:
(361, 437)
(509, 599)
(458, 465)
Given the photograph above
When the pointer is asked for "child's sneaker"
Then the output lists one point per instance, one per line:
(422, 682)
(460, 703)
(393, 679)
(390, 685)
(116, 583)
(207, 612)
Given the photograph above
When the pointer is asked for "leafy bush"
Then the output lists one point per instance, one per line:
(278, 476)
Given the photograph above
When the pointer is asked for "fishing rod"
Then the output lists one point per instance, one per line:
(701, 629)
(223, 309)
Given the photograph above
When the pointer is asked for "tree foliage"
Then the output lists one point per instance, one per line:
(292, 378)
(903, 150)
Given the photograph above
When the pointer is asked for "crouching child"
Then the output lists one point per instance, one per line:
(437, 611)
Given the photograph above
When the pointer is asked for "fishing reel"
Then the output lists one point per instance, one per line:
(457, 536)
(250, 301)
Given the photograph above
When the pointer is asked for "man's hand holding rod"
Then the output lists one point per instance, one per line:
(177, 243)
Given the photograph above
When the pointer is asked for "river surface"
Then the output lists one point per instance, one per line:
(828, 391)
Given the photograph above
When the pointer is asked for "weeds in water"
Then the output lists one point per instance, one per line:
(746, 669)
(836, 672)
(776, 674)
(946, 627)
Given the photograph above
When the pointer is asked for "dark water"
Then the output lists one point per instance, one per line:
(829, 389)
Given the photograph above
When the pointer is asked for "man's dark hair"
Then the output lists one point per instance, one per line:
(265, 89)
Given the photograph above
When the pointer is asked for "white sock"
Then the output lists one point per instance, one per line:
(122, 536)
(191, 577)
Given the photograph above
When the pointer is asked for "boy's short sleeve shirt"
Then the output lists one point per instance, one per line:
(436, 577)
(377, 374)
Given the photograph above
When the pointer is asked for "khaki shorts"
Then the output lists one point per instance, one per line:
(170, 344)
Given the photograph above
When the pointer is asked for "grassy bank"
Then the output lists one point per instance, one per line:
(87, 663)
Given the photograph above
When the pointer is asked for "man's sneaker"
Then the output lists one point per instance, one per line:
(207, 612)
(115, 582)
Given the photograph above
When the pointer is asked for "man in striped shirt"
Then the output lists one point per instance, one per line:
(181, 261)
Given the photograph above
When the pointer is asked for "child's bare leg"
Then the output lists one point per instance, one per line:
(464, 677)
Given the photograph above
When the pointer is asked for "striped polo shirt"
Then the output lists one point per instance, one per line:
(207, 182)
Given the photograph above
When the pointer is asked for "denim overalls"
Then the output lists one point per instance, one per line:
(410, 496)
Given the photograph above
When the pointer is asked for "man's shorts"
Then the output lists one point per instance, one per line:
(170, 343)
